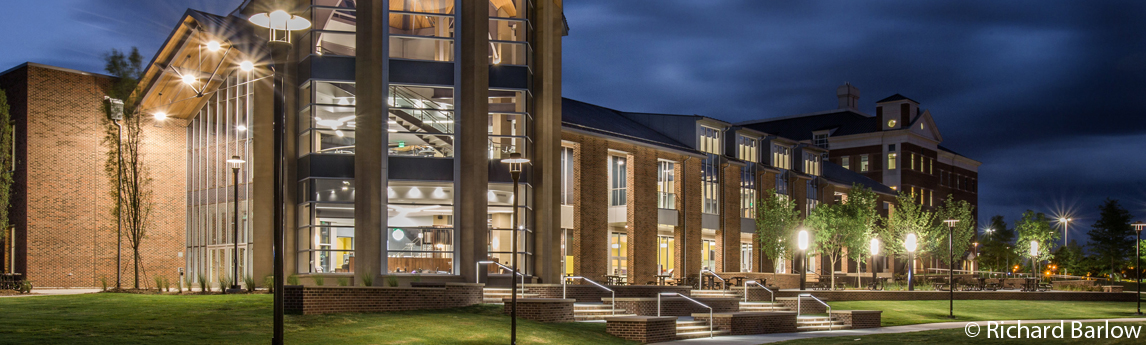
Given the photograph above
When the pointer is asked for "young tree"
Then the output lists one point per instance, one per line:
(135, 191)
(1112, 236)
(776, 222)
(908, 217)
(847, 225)
(6, 166)
(1035, 227)
(994, 243)
(959, 210)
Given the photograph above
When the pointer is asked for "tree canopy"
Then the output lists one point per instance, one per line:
(1035, 227)
(776, 223)
(849, 224)
(1112, 236)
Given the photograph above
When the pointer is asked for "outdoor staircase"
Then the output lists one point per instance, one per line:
(762, 306)
(818, 323)
(496, 295)
(691, 329)
(596, 312)
(716, 294)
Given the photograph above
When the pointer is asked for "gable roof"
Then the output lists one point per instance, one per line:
(800, 128)
(895, 97)
(593, 118)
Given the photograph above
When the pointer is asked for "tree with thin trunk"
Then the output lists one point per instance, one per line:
(7, 167)
(908, 217)
(136, 191)
(1112, 236)
(776, 222)
(964, 213)
(1035, 227)
(835, 227)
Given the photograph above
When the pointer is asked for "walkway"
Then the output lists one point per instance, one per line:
(772, 338)
(54, 292)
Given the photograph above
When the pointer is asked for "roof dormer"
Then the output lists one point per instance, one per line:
(896, 111)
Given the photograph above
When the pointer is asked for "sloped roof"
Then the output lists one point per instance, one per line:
(584, 116)
(799, 128)
(838, 174)
(895, 97)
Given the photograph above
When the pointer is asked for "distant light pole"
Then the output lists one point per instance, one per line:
(802, 243)
(1065, 229)
(280, 24)
(910, 243)
(951, 266)
(116, 108)
(975, 257)
(1034, 254)
(874, 252)
(515, 162)
(235, 162)
(1138, 261)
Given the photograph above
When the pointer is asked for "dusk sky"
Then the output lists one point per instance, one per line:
(1045, 94)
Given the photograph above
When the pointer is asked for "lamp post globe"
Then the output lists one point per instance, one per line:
(515, 161)
(279, 25)
(910, 244)
(802, 244)
(874, 247)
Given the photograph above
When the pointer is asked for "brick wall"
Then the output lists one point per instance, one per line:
(591, 220)
(805, 306)
(642, 329)
(362, 299)
(728, 235)
(858, 318)
(69, 231)
(641, 212)
(675, 306)
(542, 309)
(745, 323)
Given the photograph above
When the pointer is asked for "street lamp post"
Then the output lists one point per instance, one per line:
(802, 243)
(1034, 254)
(874, 252)
(235, 162)
(975, 258)
(910, 244)
(951, 266)
(515, 162)
(279, 25)
(1065, 229)
(1138, 261)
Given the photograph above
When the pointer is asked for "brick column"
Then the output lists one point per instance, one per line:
(728, 235)
(593, 201)
(687, 235)
(642, 215)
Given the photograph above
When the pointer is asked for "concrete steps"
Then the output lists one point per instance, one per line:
(695, 329)
(495, 295)
(762, 306)
(596, 312)
(716, 294)
(818, 323)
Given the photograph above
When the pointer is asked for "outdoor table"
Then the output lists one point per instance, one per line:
(737, 281)
(661, 278)
(982, 283)
(1031, 284)
(613, 280)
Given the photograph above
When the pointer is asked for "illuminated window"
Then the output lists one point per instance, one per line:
(864, 165)
(891, 161)
(781, 157)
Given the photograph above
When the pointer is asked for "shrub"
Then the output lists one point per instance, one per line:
(319, 280)
(186, 282)
(249, 281)
(204, 285)
(25, 286)
(224, 282)
(103, 282)
(269, 282)
(367, 280)
(417, 277)
(293, 280)
(392, 281)
(159, 283)
(343, 281)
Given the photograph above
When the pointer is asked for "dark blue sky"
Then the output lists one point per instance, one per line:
(1050, 96)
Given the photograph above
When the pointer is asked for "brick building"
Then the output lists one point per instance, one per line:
(393, 157)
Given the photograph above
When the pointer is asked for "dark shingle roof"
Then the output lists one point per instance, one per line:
(838, 174)
(845, 122)
(895, 97)
(584, 116)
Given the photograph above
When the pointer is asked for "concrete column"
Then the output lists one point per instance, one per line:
(728, 235)
(593, 201)
(687, 235)
(642, 215)
(262, 188)
(547, 19)
(472, 112)
(370, 161)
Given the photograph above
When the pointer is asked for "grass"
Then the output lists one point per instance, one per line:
(957, 336)
(897, 313)
(112, 318)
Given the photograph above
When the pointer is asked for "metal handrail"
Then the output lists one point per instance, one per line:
(701, 276)
(612, 302)
(477, 278)
(800, 299)
(710, 320)
(760, 285)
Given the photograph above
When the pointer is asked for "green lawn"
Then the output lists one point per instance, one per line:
(246, 319)
(957, 336)
(897, 313)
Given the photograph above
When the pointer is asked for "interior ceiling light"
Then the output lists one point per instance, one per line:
(160, 116)
(189, 79)
(247, 66)
(241, 128)
(214, 46)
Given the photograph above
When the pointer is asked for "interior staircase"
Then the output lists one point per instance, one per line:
(806, 323)
(690, 329)
(495, 295)
(596, 311)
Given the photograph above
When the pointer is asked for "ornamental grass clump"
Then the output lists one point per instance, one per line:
(367, 280)
(319, 280)
(249, 281)
(342, 281)
(204, 285)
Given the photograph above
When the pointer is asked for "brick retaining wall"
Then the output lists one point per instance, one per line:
(856, 295)
(859, 318)
(745, 323)
(643, 329)
(593, 293)
(542, 309)
(364, 299)
(675, 306)
(808, 305)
